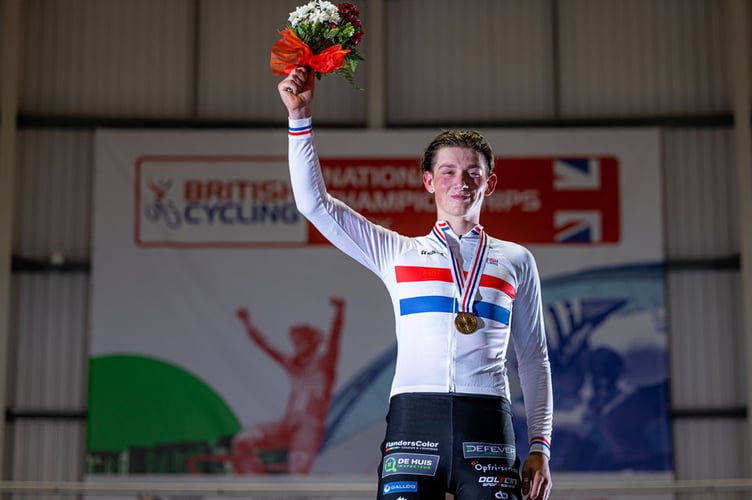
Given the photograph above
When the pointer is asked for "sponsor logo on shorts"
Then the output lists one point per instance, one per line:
(486, 468)
(488, 450)
(501, 495)
(417, 445)
(400, 487)
(410, 463)
(498, 481)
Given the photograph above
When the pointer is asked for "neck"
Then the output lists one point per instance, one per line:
(460, 226)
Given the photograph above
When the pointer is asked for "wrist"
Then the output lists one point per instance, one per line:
(541, 446)
(299, 114)
(299, 127)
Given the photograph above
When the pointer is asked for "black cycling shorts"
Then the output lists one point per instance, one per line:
(449, 443)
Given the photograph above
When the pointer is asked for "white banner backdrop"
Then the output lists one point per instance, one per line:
(208, 286)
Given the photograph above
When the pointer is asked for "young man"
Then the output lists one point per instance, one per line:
(459, 295)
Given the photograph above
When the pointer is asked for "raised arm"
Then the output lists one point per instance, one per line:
(276, 355)
(368, 243)
(332, 349)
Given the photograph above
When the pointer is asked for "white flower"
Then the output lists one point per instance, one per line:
(318, 11)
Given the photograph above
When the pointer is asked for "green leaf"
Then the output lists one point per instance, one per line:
(348, 72)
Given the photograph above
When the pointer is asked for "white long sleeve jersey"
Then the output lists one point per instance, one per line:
(432, 356)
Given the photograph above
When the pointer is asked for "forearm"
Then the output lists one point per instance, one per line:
(341, 225)
(538, 397)
(307, 181)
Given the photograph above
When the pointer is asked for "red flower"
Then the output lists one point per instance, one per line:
(348, 10)
(350, 13)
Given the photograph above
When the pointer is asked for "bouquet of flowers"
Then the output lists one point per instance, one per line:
(322, 37)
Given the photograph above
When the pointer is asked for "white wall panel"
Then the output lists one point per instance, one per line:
(476, 60)
(109, 57)
(47, 451)
(705, 340)
(234, 80)
(701, 222)
(700, 194)
(50, 327)
(710, 449)
(51, 342)
(641, 57)
(53, 197)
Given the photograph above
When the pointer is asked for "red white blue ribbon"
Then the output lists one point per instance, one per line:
(466, 285)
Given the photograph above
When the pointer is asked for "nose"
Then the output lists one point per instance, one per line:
(465, 181)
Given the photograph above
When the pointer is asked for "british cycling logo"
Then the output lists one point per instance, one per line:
(214, 201)
(223, 205)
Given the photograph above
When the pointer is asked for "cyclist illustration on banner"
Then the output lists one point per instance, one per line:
(161, 208)
(291, 443)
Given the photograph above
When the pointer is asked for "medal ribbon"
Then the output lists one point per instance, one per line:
(467, 285)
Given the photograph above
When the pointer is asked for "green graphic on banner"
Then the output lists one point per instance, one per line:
(146, 415)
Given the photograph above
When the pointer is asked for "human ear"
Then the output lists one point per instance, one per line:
(490, 185)
(428, 181)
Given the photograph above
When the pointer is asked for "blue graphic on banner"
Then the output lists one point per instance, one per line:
(608, 352)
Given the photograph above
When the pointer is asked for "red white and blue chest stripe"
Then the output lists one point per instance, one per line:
(492, 285)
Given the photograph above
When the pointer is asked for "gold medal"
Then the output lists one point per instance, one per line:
(467, 287)
(465, 322)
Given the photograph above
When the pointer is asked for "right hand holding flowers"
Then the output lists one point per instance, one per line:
(296, 92)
